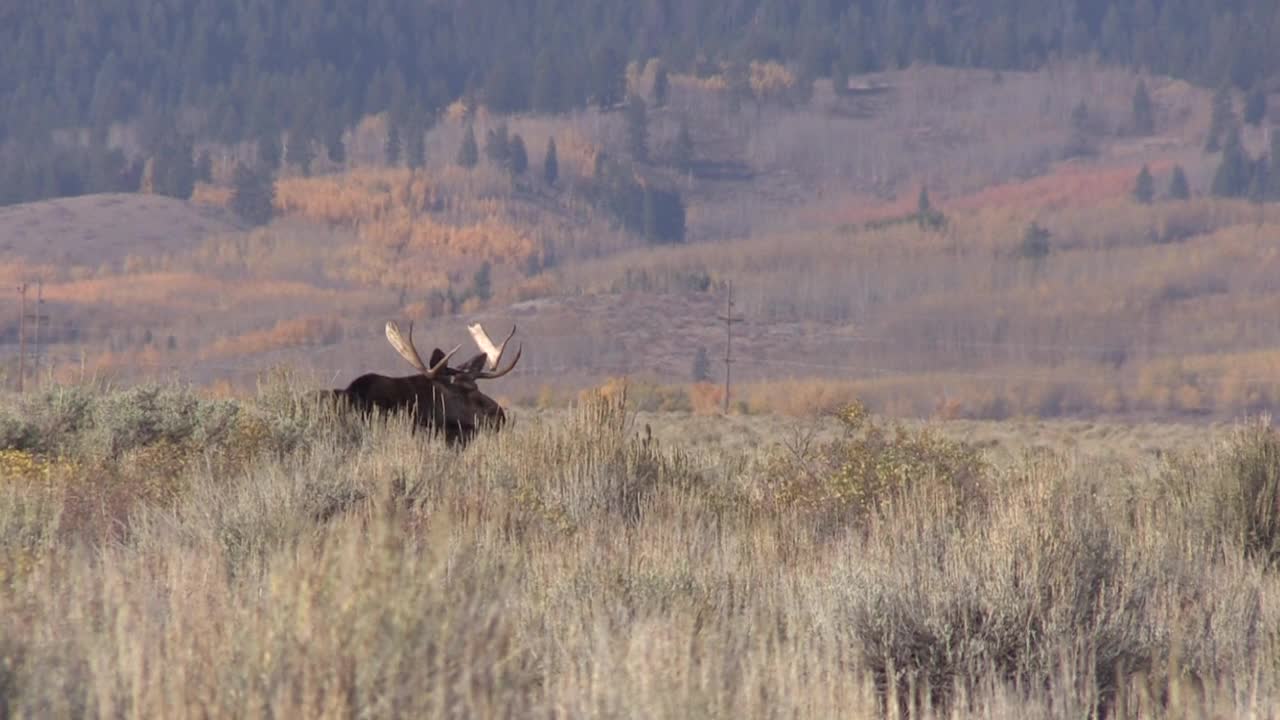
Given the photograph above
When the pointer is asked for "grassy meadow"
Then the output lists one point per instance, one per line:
(168, 554)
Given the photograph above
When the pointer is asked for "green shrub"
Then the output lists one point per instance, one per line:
(83, 419)
(593, 462)
(47, 420)
(1043, 583)
(1251, 474)
(151, 414)
(870, 465)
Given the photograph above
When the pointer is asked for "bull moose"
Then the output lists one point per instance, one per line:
(439, 397)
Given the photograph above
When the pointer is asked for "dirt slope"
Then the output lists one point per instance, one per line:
(96, 230)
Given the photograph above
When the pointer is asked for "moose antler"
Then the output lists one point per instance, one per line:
(494, 352)
(486, 345)
(405, 347)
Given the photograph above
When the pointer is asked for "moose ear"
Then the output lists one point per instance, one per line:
(475, 364)
(436, 356)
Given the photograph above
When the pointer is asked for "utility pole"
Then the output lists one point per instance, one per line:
(728, 319)
(39, 318)
(22, 333)
(36, 317)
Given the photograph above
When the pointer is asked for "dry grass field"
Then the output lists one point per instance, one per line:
(163, 554)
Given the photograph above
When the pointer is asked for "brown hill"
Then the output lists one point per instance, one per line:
(104, 230)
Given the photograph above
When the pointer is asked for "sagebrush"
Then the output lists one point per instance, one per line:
(164, 554)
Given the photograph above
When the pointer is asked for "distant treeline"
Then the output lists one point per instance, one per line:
(244, 69)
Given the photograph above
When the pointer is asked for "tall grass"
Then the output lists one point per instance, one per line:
(299, 564)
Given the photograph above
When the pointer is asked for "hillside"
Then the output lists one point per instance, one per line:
(103, 231)
(1116, 308)
(91, 88)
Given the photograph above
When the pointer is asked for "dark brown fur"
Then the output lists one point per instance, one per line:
(450, 402)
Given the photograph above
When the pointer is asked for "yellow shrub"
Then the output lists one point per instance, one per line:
(286, 333)
(26, 466)
(458, 112)
(869, 464)
(20, 464)
(639, 395)
(216, 195)
(706, 398)
(770, 80)
(356, 197)
(713, 83)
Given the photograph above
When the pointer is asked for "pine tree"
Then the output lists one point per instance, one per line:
(650, 211)
(1259, 182)
(415, 151)
(701, 365)
(1273, 172)
(547, 90)
(1144, 120)
(738, 77)
(269, 152)
(497, 146)
(637, 129)
(504, 90)
(1144, 188)
(301, 151)
(107, 102)
(1115, 40)
(468, 154)
(481, 284)
(840, 78)
(924, 209)
(550, 163)
(608, 77)
(253, 195)
(1035, 242)
(1233, 175)
(1179, 189)
(661, 86)
(682, 152)
(107, 168)
(393, 145)
(130, 178)
(1080, 142)
(1255, 106)
(334, 146)
(204, 167)
(662, 215)
(1221, 118)
(174, 169)
(519, 157)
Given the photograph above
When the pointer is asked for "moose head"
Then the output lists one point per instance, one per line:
(439, 397)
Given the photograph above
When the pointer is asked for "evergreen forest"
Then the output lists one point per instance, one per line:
(243, 70)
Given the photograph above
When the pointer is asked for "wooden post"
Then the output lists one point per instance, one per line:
(23, 317)
(728, 319)
(22, 332)
(38, 317)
